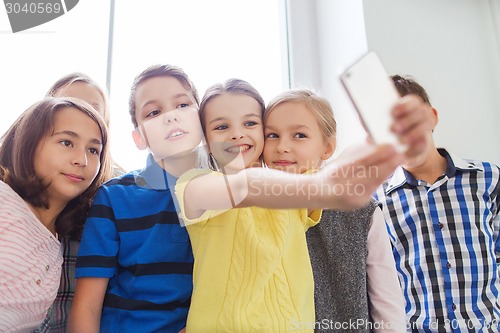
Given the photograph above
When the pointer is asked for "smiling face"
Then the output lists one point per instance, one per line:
(167, 118)
(68, 157)
(293, 139)
(233, 125)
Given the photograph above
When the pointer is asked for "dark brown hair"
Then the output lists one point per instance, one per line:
(407, 85)
(17, 152)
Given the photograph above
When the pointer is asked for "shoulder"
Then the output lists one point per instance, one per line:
(8, 196)
(5, 188)
(485, 171)
(486, 166)
(127, 182)
(193, 173)
(125, 179)
(470, 165)
(120, 189)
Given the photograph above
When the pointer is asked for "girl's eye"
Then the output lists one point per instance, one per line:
(272, 136)
(153, 113)
(251, 123)
(220, 127)
(94, 151)
(183, 105)
(300, 136)
(66, 143)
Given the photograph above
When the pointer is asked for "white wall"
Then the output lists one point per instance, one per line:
(324, 37)
(452, 48)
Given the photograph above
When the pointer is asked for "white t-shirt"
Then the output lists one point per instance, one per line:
(30, 265)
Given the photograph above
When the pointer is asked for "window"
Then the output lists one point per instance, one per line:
(211, 40)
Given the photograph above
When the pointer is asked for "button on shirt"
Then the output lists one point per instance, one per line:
(446, 245)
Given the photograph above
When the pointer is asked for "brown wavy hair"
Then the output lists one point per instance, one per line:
(17, 169)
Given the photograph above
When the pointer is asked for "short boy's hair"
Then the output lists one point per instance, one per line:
(407, 85)
(158, 71)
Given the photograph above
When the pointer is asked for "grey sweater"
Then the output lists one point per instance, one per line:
(338, 251)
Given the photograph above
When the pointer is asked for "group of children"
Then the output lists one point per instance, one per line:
(180, 246)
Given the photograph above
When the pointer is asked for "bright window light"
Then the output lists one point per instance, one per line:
(211, 40)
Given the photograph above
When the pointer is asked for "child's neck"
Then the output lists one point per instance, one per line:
(48, 216)
(177, 165)
(433, 167)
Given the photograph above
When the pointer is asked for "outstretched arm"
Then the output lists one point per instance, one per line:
(344, 184)
(347, 183)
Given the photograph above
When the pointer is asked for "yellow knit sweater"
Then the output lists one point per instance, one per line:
(252, 271)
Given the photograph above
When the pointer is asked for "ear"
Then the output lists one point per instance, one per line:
(435, 116)
(139, 140)
(329, 149)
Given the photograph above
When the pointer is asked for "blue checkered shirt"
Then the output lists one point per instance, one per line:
(446, 245)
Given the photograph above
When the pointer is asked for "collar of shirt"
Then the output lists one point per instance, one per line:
(454, 164)
(155, 177)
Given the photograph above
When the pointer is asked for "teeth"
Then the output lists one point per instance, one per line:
(239, 149)
(176, 133)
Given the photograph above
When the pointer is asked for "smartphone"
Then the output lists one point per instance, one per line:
(373, 94)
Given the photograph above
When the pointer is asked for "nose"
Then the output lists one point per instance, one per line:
(236, 134)
(80, 158)
(283, 146)
(171, 117)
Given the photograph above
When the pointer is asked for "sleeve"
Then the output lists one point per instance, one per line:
(180, 188)
(97, 255)
(387, 305)
(315, 215)
(313, 218)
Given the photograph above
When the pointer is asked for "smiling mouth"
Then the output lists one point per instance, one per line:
(175, 134)
(238, 149)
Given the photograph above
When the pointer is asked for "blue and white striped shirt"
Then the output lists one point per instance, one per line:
(446, 245)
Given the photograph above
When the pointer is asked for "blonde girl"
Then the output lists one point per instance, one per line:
(355, 278)
(52, 160)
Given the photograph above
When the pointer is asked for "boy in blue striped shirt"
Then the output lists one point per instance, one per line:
(135, 262)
